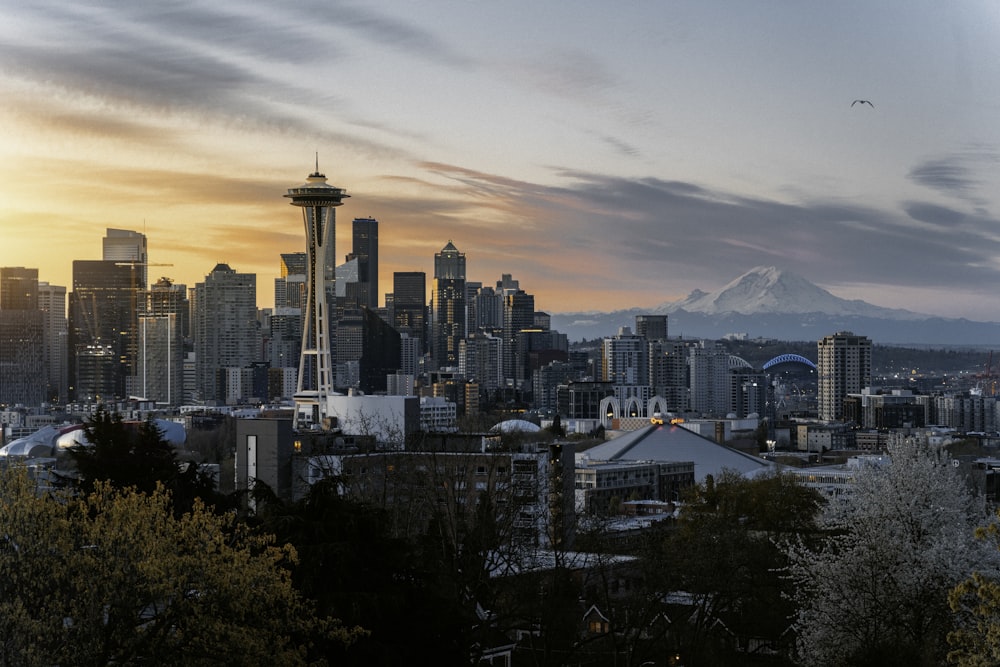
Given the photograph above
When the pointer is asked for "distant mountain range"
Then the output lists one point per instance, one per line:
(766, 302)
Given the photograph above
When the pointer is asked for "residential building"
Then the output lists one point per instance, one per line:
(225, 328)
(844, 367)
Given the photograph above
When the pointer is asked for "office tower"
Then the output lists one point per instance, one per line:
(651, 327)
(471, 317)
(370, 346)
(23, 377)
(18, 288)
(123, 245)
(409, 303)
(224, 325)
(845, 367)
(489, 311)
(289, 288)
(55, 334)
(163, 324)
(365, 250)
(318, 201)
(448, 305)
(102, 329)
(293, 263)
(518, 315)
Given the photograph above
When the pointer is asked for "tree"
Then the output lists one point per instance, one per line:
(113, 577)
(975, 642)
(874, 590)
(139, 457)
(723, 562)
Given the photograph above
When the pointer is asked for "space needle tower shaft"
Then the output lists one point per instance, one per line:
(318, 201)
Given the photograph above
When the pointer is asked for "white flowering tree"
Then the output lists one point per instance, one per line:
(874, 589)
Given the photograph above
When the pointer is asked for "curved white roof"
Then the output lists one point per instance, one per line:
(172, 432)
(516, 425)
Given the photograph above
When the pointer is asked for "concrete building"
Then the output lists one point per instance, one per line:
(225, 328)
(530, 487)
(264, 449)
(623, 359)
(600, 483)
(438, 414)
(709, 382)
(844, 367)
(389, 420)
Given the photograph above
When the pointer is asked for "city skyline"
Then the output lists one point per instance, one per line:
(606, 158)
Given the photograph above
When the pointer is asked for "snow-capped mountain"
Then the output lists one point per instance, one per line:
(766, 289)
(770, 303)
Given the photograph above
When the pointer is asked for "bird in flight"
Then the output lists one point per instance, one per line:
(863, 102)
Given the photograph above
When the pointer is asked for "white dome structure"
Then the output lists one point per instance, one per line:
(173, 433)
(516, 426)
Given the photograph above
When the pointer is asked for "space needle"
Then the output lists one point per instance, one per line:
(318, 201)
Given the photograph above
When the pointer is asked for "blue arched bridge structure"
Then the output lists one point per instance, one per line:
(787, 358)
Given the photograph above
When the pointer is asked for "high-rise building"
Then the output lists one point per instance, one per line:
(709, 379)
(489, 311)
(365, 250)
(225, 332)
(845, 367)
(123, 245)
(289, 288)
(448, 305)
(55, 334)
(518, 316)
(163, 325)
(23, 377)
(668, 372)
(319, 201)
(409, 304)
(18, 288)
(102, 330)
(623, 359)
(651, 327)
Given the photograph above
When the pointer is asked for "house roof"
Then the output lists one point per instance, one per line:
(670, 442)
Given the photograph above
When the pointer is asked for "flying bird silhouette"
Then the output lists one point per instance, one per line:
(863, 102)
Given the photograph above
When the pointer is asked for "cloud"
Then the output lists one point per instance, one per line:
(637, 233)
(947, 175)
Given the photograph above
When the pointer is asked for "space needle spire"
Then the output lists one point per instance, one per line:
(318, 201)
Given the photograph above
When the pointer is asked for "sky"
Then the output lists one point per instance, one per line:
(607, 155)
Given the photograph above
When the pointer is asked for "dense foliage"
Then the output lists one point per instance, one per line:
(875, 590)
(129, 456)
(114, 577)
